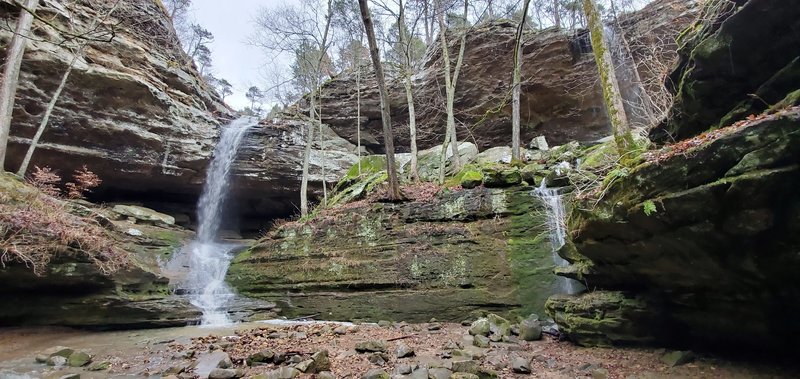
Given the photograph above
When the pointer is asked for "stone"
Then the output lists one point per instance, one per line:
(677, 358)
(326, 375)
(403, 369)
(56, 360)
(599, 373)
(321, 361)
(463, 375)
(481, 341)
(384, 323)
(304, 366)
(371, 346)
(501, 176)
(134, 232)
(55, 350)
(79, 359)
(530, 330)
(222, 373)
(480, 327)
(298, 336)
(539, 143)
(467, 365)
(378, 359)
(340, 330)
(143, 214)
(208, 362)
(263, 356)
(434, 326)
(471, 179)
(439, 373)
(375, 373)
(282, 372)
(403, 351)
(99, 366)
(520, 365)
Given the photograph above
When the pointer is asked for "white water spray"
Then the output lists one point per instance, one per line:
(208, 259)
(556, 223)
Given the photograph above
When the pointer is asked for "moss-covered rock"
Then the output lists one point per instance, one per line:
(501, 176)
(469, 250)
(471, 179)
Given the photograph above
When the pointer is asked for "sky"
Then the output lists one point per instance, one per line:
(231, 22)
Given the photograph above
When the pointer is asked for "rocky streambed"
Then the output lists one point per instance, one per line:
(337, 350)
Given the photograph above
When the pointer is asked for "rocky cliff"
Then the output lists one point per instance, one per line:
(698, 245)
(137, 114)
(560, 95)
(444, 256)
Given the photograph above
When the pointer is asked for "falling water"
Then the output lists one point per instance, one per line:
(208, 259)
(556, 222)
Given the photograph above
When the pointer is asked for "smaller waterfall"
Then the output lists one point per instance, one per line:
(556, 223)
(207, 258)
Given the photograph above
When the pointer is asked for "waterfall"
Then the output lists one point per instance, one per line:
(636, 99)
(556, 223)
(208, 258)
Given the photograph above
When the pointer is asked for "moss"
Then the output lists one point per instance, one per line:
(471, 178)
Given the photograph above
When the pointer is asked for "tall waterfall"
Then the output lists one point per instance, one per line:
(208, 259)
(556, 223)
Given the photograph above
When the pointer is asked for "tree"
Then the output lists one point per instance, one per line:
(10, 79)
(515, 121)
(225, 88)
(608, 80)
(256, 98)
(285, 29)
(386, 118)
(77, 52)
(450, 81)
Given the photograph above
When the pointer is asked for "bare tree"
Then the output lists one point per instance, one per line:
(13, 62)
(450, 81)
(515, 121)
(394, 185)
(77, 52)
(304, 32)
(608, 80)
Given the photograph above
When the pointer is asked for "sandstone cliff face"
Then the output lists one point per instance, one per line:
(699, 244)
(140, 117)
(469, 250)
(560, 95)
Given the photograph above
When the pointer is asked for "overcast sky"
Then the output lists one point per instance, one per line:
(231, 22)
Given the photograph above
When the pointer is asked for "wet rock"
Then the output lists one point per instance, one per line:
(99, 366)
(677, 358)
(222, 373)
(371, 346)
(79, 359)
(481, 341)
(375, 373)
(403, 351)
(521, 365)
(177, 369)
(62, 351)
(208, 362)
(56, 360)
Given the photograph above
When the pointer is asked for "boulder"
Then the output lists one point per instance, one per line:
(375, 373)
(142, 214)
(79, 359)
(521, 365)
(530, 330)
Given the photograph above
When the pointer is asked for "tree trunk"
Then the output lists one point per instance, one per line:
(407, 69)
(8, 87)
(556, 14)
(515, 121)
(394, 186)
(451, 82)
(307, 158)
(358, 105)
(43, 124)
(608, 80)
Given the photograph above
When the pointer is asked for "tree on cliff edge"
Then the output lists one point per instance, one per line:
(10, 79)
(620, 125)
(388, 138)
(516, 84)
